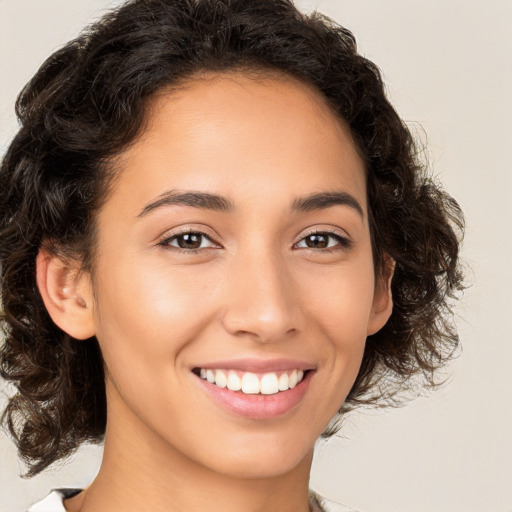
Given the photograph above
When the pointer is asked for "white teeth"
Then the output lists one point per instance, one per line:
(293, 379)
(269, 384)
(249, 383)
(234, 382)
(220, 379)
(283, 382)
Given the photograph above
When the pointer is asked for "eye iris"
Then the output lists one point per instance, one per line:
(189, 241)
(317, 241)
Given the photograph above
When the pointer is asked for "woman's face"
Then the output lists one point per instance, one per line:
(235, 247)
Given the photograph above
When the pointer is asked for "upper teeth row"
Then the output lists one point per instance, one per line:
(250, 383)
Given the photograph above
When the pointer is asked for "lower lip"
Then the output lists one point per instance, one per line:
(258, 406)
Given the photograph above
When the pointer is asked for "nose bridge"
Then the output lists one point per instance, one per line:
(261, 302)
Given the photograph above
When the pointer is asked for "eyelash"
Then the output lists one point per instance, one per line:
(343, 243)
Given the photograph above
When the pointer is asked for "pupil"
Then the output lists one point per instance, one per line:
(189, 241)
(317, 241)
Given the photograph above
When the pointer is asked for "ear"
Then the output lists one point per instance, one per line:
(67, 294)
(382, 306)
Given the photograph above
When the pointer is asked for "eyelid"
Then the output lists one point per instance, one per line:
(331, 230)
(343, 238)
(203, 231)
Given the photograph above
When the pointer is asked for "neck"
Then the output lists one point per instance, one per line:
(141, 471)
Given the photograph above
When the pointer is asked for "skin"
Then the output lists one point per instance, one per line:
(253, 289)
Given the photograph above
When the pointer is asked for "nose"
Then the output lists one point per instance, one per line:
(263, 303)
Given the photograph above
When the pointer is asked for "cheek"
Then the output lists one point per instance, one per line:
(144, 316)
(340, 309)
(341, 299)
(143, 324)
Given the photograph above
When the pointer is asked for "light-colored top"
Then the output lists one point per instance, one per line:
(54, 502)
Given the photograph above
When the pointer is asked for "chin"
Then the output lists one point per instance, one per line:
(258, 469)
(263, 459)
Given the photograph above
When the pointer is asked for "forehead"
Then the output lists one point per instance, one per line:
(245, 132)
(248, 100)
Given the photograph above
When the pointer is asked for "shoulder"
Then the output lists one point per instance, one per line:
(320, 504)
(54, 501)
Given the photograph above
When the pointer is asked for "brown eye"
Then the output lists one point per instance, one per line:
(188, 241)
(317, 241)
(322, 240)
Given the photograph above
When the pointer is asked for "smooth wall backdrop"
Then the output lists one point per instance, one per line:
(448, 67)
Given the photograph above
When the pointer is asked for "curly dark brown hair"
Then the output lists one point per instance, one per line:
(87, 103)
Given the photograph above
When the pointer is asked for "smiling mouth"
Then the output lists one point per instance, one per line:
(250, 383)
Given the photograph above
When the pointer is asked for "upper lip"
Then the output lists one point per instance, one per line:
(258, 365)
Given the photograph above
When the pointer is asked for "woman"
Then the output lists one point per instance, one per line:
(215, 237)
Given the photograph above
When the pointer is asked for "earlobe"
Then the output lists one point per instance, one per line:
(66, 293)
(382, 306)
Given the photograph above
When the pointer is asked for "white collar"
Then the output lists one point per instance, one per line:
(54, 501)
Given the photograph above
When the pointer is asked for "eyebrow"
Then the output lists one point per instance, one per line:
(208, 201)
(323, 200)
(202, 200)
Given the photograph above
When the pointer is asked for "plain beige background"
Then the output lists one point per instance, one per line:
(448, 66)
